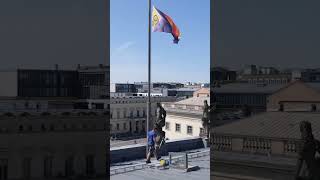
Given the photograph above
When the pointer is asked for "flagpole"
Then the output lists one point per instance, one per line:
(149, 71)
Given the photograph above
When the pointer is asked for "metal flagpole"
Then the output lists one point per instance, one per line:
(149, 71)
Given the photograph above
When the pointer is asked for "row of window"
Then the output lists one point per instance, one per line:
(125, 127)
(241, 99)
(131, 115)
(69, 166)
(269, 81)
(52, 127)
(178, 128)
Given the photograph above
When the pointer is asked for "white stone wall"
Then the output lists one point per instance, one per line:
(172, 134)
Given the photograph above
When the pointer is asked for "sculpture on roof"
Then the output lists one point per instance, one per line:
(160, 123)
(205, 118)
(308, 166)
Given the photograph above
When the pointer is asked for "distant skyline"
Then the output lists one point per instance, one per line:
(282, 34)
(188, 61)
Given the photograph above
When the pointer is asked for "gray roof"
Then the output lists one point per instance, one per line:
(197, 101)
(315, 86)
(247, 88)
(169, 174)
(272, 125)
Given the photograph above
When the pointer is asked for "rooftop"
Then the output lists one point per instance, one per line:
(247, 88)
(272, 125)
(136, 170)
(197, 101)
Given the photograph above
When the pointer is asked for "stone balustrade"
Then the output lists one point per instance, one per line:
(256, 145)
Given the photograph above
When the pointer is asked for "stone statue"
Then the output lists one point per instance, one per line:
(161, 116)
(205, 118)
(308, 166)
(160, 122)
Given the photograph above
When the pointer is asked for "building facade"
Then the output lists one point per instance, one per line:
(94, 81)
(184, 118)
(87, 82)
(128, 115)
(52, 145)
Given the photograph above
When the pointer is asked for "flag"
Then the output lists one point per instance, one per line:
(163, 23)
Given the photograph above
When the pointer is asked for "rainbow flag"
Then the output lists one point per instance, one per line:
(163, 23)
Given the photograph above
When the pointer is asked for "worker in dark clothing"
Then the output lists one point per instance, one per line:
(152, 148)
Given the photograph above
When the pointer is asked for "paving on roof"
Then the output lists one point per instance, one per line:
(272, 125)
(198, 101)
(247, 88)
(151, 172)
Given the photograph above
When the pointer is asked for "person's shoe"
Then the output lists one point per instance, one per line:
(148, 162)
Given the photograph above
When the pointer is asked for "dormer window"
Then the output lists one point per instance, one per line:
(281, 108)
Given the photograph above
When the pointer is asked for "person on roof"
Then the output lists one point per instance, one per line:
(152, 148)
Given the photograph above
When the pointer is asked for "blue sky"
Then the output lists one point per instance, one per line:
(189, 61)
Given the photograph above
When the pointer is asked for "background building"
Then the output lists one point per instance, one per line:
(52, 145)
(184, 118)
(265, 145)
(87, 82)
(128, 115)
(94, 81)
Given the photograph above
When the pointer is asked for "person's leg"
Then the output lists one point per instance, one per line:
(156, 152)
(150, 151)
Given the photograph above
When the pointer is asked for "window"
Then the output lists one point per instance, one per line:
(124, 126)
(110, 127)
(137, 126)
(281, 108)
(20, 128)
(189, 130)
(118, 114)
(178, 128)
(313, 107)
(167, 126)
(43, 127)
(131, 114)
(69, 171)
(90, 165)
(118, 126)
(124, 113)
(3, 169)
(201, 131)
(138, 113)
(47, 167)
(26, 167)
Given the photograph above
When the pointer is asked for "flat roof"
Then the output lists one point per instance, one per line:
(197, 101)
(247, 88)
(144, 171)
(283, 125)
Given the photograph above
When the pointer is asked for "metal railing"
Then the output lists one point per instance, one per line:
(139, 166)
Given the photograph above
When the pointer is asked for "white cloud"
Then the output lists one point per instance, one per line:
(123, 47)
